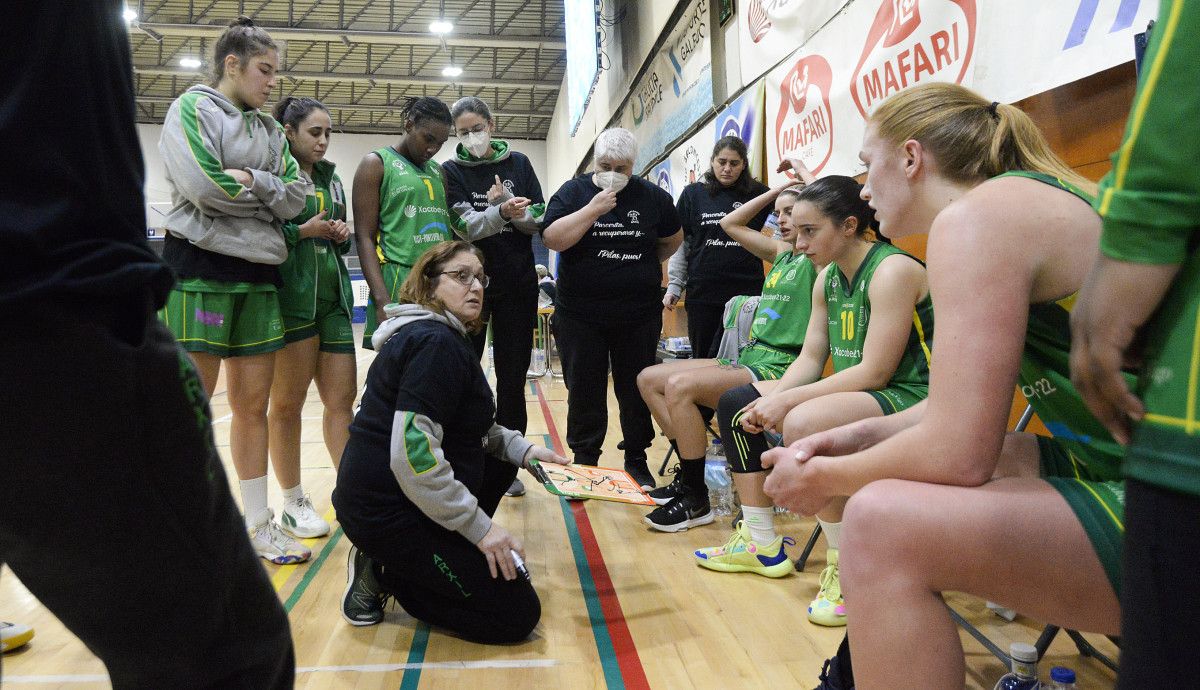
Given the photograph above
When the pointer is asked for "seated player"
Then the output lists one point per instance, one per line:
(871, 313)
(674, 391)
(942, 498)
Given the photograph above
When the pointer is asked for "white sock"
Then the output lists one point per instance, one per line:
(293, 494)
(761, 522)
(254, 499)
(833, 532)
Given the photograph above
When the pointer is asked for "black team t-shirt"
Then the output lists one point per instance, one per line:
(72, 214)
(718, 267)
(508, 255)
(613, 273)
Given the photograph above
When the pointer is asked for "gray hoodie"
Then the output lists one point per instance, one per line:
(434, 490)
(205, 134)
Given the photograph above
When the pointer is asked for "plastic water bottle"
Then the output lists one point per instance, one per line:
(1024, 674)
(716, 450)
(720, 485)
(1062, 678)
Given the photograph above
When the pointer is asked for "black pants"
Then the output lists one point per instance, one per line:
(1160, 596)
(513, 317)
(114, 507)
(586, 349)
(440, 578)
(705, 326)
(743, 449)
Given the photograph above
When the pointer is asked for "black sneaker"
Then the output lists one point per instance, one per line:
(831, 676)
(517, 488)
(636, 467)
(362, 602)
(663, 494)
(687, 510)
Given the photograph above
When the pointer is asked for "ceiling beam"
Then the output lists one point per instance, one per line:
(360, 36)
(464, 80)
(375, 108)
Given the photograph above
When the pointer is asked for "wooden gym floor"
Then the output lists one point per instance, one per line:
(623, 607)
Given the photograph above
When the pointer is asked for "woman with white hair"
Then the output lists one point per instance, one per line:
(613, 231)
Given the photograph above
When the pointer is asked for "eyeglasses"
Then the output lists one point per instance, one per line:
(464, 277)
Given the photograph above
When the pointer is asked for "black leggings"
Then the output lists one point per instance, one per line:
(705, 326)
(743, 449)
(1161, 591)
(513, 317)
(440, 578)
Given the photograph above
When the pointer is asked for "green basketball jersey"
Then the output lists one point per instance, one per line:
(849, 306)
(781, 319)
(412, 209)
(1045, 377)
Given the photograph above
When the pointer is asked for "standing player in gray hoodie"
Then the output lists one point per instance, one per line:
(233, 183)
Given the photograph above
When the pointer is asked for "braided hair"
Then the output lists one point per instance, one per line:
(426, 108)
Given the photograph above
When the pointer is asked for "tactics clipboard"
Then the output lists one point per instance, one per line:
(583, 481)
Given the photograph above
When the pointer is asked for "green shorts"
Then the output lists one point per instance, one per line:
(1098, 501)
(331, 324)
(240, 320)
(765, 363)
(393, 278)
(900, 396)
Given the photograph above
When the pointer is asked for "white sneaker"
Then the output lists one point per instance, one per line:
(300, 520)
(272, 544)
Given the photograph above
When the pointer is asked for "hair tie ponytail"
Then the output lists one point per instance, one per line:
(992, 110)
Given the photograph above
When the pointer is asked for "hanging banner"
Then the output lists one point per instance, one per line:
(661, 176)
(691, 159)
(769, 30)
(818, 100)
(676, 91)
(1037, 46)
(744, 119)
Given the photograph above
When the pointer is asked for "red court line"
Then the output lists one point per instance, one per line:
(632, 672)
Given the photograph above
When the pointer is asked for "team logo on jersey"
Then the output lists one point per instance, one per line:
(508, 184)
(905, 47)
(410, 211)
(804, 123)
(737, 204)
(791, 275)
(633, 218)
(399, 165)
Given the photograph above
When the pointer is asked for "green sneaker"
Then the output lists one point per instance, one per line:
(829, 608)
(362, 602)
(741, 554)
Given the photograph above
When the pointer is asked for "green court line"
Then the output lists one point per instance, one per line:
(604, 645)
(312, 571)
(416, 656)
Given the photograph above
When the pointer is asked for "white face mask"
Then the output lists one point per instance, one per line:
(478, 143)
(609, 179)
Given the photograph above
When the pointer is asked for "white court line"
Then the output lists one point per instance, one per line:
(430, 665)
(365, 668)
(226, 418)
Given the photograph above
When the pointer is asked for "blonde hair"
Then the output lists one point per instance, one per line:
(971, 138)
(421, 284)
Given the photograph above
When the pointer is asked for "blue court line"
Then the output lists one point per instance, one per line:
(604, 645)
(312, 571)
(416, 655)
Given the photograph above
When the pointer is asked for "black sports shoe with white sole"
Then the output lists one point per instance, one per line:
(681, 513)
(663, 494)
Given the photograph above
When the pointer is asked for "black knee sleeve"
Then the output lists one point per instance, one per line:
(743, 450)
